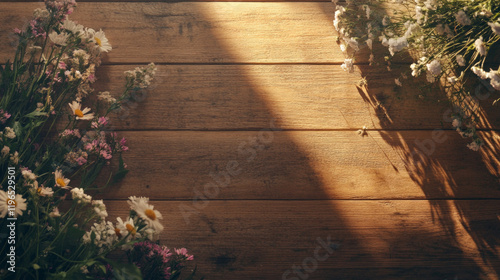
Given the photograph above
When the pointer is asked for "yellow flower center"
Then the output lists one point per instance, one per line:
(39, 190)
(61, 182)
(118, 233)
(130, 229)
(98, 41)
(150, 214)
(79, 113)
(13, 203)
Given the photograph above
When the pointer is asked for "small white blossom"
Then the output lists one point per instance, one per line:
(474, 146)
(440, 29)
(348, 65)
(434, 67)
(80, 196)
(15, 157)
(5, 151)
(494, 79)
(397, 44)
(28, 175)
(369, 43)
(9, 133)
(460, 60)
(59, 39)
(495, 27)
(462, 18)
(480, 73)
(398, 82)
(480, 47)
(343, 48)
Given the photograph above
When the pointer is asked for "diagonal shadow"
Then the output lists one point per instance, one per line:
(446, 171)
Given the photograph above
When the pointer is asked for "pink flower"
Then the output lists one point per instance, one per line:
(4, 116)
(92, 78)
(184, 252)
(81, 160)
(62, 65)
(17, 31)
(122, 144)
(103, 121)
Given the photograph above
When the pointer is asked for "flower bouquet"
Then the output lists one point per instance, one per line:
(53, 148)
(452, 42)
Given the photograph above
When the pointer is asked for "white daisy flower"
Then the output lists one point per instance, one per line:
(72, 26)
(146, 211)
(151, 216)
(14, 207)
(59, 39)
(80, 115)
(101, 41)
(44, 191)
(60, 180)
(126, 228)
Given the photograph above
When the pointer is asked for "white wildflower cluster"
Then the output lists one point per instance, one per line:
(105, 96)
(102, 235)
(143, 222)
(493, 75)
(78, 195)
(462, 18)
(446, 47)
(141, 77)
(348, 65)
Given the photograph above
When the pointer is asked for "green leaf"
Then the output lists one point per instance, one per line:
(36, 113)
(18, 129)
(122, 171)
(125, 271)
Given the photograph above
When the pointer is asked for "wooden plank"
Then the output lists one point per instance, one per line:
(200, 32)
(369, 239)
(306, 165)
(221, 97)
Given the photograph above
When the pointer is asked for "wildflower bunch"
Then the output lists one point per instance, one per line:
(53, 147)
(451, 42)
(158, 262)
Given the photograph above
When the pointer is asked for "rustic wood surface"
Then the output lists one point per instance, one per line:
(248, 144)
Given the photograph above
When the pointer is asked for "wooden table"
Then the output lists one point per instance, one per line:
(248, 145)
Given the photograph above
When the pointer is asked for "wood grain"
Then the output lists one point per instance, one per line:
(305, 165)
(200, 32)
(369, 239)
(225, 97)
(247, 97)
